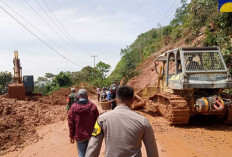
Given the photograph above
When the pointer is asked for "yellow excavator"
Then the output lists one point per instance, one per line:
(16, 89)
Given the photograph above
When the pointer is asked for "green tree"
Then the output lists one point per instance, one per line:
(63, 79)
(87, 74)
(180, 14)
(77, 77)
(41, 80)
(44, 84)
(5, 79)
(103, 68)
(49, 76)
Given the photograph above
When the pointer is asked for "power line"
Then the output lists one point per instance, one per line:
(39, 30)
(167, 14)
(57, 20)
(51, 19)
(170, 14)
(41, 17)
(38, 37)
(57, 27)
(62, 26)
(47, 23)
(67, 41)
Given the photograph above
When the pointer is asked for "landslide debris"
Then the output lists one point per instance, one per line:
(18, 120)
(58, 97)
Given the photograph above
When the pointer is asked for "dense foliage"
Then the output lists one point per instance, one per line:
(200, 17)
(5, 79)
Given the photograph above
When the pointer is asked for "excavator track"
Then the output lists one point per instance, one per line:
(173, 108)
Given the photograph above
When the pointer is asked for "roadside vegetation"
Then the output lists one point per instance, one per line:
(87, 75)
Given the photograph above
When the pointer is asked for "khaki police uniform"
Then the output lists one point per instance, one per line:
(123, 130)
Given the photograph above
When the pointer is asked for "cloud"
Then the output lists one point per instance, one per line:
(100, 27)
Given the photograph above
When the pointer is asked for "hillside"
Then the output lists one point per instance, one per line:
(147, 76)
(196, 24)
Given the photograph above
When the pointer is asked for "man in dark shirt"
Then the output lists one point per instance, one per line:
(81, 119)
(113, 97)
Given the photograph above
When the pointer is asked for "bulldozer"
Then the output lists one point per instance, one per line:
(191, 81)
(16, 89)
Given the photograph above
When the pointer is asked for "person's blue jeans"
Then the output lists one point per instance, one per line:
(82, 146)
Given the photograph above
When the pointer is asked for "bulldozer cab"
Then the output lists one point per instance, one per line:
(191, 68)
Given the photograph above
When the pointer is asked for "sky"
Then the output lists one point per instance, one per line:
(84, 28)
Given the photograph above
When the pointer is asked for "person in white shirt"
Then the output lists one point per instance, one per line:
(98, 93)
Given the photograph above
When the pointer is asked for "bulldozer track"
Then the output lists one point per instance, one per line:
(229, 117)
(174, 108)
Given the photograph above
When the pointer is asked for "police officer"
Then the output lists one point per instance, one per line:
(72, 98)
(123, 129)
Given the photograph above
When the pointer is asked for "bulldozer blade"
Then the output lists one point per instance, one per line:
(147, 92)
(16, 91)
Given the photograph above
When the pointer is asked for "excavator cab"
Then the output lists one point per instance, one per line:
(16, 89)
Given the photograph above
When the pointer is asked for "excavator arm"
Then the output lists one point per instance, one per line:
(16, 89)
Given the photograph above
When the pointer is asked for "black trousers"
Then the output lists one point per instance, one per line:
(113, 105)
(98, 97)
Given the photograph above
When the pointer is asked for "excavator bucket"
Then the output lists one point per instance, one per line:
(16, 91)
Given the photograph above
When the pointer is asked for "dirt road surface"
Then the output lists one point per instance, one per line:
(195, 140)
(200, 139)
(54, 141)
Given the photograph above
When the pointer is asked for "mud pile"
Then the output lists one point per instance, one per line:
(18, 120)
(58, 97)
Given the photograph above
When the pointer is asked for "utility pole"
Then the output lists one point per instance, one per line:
(94, 56)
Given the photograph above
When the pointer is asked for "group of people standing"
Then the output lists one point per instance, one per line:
(108, 94)
(122, 128)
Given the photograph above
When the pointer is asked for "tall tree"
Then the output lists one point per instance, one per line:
(103, 68)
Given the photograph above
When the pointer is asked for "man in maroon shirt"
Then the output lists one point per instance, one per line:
(81, 119)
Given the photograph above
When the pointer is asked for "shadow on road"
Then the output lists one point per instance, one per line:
(199, 121)
(208, 122)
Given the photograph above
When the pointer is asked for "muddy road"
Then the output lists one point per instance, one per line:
(199, 139)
